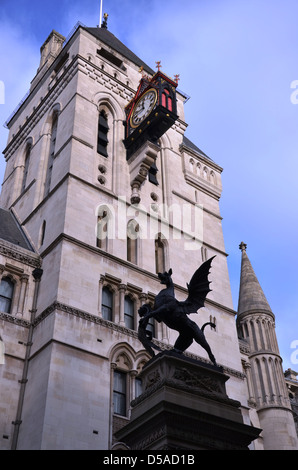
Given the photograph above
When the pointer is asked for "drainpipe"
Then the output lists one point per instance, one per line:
(37, 273)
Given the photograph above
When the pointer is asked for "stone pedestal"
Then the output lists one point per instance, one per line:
(184, 405)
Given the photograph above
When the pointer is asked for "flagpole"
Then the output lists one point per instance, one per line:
(100, 14)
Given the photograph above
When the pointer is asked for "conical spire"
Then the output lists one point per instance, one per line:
(251, 295)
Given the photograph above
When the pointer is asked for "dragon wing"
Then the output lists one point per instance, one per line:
(198, 288)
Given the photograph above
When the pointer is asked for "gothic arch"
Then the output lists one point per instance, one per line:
(20, 160)
(47, 126)
(123, 355)
(165, 142)
(126, 353)
(161, 251)
(133, 232)
(105, 226)
(105, 99)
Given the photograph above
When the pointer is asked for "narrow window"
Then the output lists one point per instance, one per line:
(43, 232)
(102, 231)
(129, 312)
(166, 100)
(102, 135)
(159, 255)
(107, 304)
(119, 393)
(26, 166)
(52, 154)
(152, 174)
(6, 293)
(132, 241)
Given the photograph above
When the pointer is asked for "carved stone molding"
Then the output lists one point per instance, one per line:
(15, 320)
(23, 256)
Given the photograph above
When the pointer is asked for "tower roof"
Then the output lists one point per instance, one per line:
(251, 295)
(11, 231)
(108, 38)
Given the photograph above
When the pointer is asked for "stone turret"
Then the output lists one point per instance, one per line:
(268, 391)
(50, 49)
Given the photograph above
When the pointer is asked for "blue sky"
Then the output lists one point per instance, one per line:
(237, 60)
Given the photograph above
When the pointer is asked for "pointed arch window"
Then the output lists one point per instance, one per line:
(26, 165)
(6, 294)
(52, 154)
(160, 258)
(102, 134)
(102, 231)
(133, 229)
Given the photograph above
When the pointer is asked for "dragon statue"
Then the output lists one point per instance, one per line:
(175, 314)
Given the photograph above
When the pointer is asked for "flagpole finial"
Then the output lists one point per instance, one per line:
(105, 21)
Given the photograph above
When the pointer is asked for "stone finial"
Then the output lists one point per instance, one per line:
(242, 246)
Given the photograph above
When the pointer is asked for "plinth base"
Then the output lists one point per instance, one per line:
(185, 406)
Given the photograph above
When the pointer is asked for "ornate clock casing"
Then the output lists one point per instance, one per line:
(151, 113)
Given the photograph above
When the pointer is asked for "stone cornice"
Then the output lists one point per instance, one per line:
(257, 314)
(17, 253)
(201, 156)
(61, 307)
(15, 320)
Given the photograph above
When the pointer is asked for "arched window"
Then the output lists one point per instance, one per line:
(102, 231)
(43, 232)
(107, 304)
(129, 312)
(125, 383)
(102, 134)
(132, 241)
(160, 260)
(26, 165)
(6, 294)
(52, 154)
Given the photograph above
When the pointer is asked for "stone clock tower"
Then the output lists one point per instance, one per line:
(102, 190)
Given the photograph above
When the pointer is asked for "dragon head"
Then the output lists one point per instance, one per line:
(165, 278)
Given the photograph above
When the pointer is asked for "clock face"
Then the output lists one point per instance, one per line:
(143, 107)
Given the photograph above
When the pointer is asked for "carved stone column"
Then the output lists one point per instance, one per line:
(121, 289)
